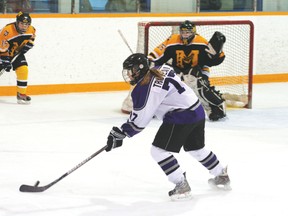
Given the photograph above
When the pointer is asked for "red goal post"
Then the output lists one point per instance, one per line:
(234, 76)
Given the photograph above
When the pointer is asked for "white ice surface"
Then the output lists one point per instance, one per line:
(44, 140)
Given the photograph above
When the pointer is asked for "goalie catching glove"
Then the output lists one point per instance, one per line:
(115, 139)
(215, 45)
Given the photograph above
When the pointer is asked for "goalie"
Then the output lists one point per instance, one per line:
(191, 55)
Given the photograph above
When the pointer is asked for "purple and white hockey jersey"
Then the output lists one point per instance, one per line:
(170, 100)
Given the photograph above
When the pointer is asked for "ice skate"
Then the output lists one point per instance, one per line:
(221, 181)
(23, 99)
(182, 191)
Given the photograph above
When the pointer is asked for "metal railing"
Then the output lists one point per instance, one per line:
(138, 6)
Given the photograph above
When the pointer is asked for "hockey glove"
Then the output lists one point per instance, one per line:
(215, 45)
(29, 45)
(6, 63)
(115, 139)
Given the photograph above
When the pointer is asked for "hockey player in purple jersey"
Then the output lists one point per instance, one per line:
(160, 93)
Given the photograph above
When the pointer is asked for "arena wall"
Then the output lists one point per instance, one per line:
(79, 53)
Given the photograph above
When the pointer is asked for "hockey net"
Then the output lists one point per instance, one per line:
(234, 76)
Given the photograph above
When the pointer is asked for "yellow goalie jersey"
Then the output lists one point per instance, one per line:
(11, 42)
(183, 56)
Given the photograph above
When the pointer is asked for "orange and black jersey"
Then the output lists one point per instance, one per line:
(183, 56)
(15, 40)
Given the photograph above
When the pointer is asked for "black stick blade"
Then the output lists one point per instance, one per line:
(35, 188)
(29, 188)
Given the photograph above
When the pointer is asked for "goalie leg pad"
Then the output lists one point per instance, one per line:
(127, 105)
(191, 81)
(209, 93)
(217, 112)
(211, 99)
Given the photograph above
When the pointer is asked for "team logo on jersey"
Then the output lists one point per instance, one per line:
(188, 59)
(182, 58)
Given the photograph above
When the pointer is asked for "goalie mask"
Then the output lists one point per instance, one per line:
(23, 21)
(187, 31)
(135, 68)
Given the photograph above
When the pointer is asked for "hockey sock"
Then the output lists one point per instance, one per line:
(22, 77)
(208, 159)
(169, 164)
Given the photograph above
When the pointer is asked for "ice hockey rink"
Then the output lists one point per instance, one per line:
(46, 139)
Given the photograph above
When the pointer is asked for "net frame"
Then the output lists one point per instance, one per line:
(246, 42)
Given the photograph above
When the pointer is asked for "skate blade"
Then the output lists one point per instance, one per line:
(23, 102)
(181, 197)
(226, 187)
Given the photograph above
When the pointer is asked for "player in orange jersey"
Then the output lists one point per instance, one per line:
(16, 39)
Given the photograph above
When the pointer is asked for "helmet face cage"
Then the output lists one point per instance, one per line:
(127, 76)
(187, 31)
(134, 68)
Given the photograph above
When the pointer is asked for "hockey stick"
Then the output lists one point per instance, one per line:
(35, 188)
(125, 41)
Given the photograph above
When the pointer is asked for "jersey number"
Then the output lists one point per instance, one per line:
(168, 80)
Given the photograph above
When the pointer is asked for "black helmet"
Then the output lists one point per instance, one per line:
(135, 68)
(187, 31)
(23, 17)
